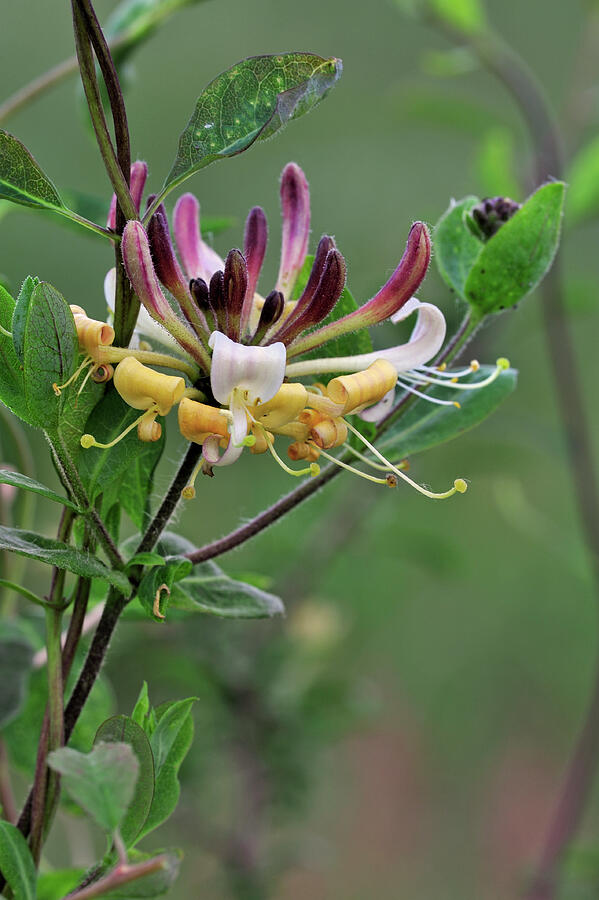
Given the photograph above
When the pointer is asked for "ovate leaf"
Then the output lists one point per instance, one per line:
(159, 582)
(516, 258)
(102, 781)
(21, 179)
(456, 248)
(16, 862)
(122, 729)
(30, 484)
(56, 553)
(250, 102)
(427, 424)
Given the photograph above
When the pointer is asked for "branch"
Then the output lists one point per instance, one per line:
(122, 874)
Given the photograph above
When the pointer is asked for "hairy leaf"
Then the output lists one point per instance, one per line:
(30, 484)
(250, 102)
(102, 781)
(122, 729)
(56, 553)
(426, 424)
(21, 179)
(456, 248)
(517, 257)
(16, 862)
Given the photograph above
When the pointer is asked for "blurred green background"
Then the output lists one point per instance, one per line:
(465, 630)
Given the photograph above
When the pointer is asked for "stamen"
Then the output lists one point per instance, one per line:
(344, 465)
(501, 365)
(440, 371)
(156, 605)
(189, 491)
(459, 485)
(369, 462)
(412, 390)
(313, 469)
(88, 440)
(57, 388)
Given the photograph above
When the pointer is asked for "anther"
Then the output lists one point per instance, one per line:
(391, 480)
(156, 604)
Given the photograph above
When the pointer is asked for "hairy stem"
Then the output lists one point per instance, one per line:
(122, 874)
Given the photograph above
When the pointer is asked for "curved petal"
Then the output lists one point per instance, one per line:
(379, 410)
(211, 452)
(257, 372)
(425, 342)
(198, 258)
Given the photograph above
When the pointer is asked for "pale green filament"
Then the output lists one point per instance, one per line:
(57, 388)
(339, 462)
(88, 440)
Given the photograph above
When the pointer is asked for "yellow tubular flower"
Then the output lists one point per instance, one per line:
(283, 408)
(197, 420)
(329, 433)
(142, 388)
(92, 335)
(363, 388)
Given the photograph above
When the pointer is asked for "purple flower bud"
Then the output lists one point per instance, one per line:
(139, 173)
(271, 311)
(295, 205)
(325, 244)
(217, 300)
(402, 285)
(330, 286)
(165, 262)
(199, 260)
(140, 269)
(235, 282)
(254, 249)
(199, 291)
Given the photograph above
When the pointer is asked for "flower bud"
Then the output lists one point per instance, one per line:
(92, 335)
(270, 313)
(139, 173)
(199, 291)
(295, 206)
(486, 218)
(254, 246)
(235, 282)
(137, 259)
(198, 258)
(165, 262)
(328, 291)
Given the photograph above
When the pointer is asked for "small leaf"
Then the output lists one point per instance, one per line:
(583, 184)
(210, 590)
(146, 559)
(124, 730)
(142, 706)
(170, 742)
(249, 102)
(16, 862)
(426, 425)
(12, 388)
(513, 262)
(16, 655)
(102, 781)
(56, 553)
(30, 484)
(161, 579)
(21, 179)
(456, 248)
(56, 885)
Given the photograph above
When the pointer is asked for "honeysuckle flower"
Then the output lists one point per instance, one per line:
(248, 346)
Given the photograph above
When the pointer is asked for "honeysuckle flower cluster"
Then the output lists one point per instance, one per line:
(243, 352)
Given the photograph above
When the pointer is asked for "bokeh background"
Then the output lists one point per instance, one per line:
(449, 646)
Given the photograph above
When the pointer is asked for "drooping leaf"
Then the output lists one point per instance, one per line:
(125, 472)
(30, 484)
(426, 425)
(456, 248)
(45, 338)
(517, 257)
(16, 862)
(12, 389)
(21, 179)
(210, 590)
(170, 741)
(102, 781)
(122, 729)
(16, 654)
(250, 102)
(583, 184)
(56, 553)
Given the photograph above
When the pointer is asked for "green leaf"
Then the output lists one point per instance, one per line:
(170, 742)
(16, 862)
(583, 184)
(426, 425)
(21, 179)
(146, 559)
(75, 410)
(56, 885)
(16, 655)
(250, 102)
(30, 484)
(158, 578)
(210, 590)
(12, 388)
(125, 472)
(122, 729)
(19, 319)
(142, 705)
(456, 248)
(513, 262)
(102, 781)
(56, 553)
(45, 336)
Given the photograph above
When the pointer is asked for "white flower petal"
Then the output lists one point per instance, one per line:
(257, 372)
(425, 342)
(211, 452)
(379, 410)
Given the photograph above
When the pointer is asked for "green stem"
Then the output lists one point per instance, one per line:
(19, 589)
